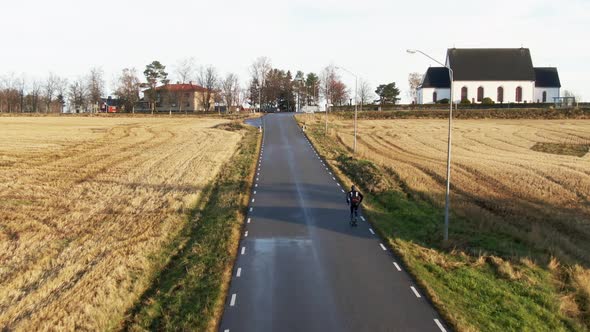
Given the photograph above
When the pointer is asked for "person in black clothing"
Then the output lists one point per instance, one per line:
(354, 199)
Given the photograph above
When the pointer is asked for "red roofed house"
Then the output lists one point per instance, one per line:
(182, 98)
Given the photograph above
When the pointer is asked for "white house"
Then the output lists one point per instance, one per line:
(505, 75)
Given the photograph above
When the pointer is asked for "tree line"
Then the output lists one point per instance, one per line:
(266, 87)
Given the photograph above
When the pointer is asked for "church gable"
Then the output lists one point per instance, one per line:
(436, 77)
(547, 77)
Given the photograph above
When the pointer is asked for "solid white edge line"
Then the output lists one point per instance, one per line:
(382, 246)
(243, 250)
(239, 273)
(440, 326)
(249, 219)
(233, 300)
(370, 229)
(397, 266)
(415, 292)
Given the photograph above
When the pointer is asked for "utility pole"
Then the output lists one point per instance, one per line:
(449, 145)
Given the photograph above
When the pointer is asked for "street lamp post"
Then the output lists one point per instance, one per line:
(355, 104)
(449, 145)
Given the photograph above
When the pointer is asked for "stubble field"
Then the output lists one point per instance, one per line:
(519, 251)
(496, 176)
(85, 204)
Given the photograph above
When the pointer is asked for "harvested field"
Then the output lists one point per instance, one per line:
(497, 179)
(85, 205)
(519, 242)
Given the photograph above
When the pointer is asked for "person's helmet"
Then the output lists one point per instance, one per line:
(352, 188)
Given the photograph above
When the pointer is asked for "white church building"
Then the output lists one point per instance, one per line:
(505, 75)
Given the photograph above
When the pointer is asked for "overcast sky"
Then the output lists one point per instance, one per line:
(369, 37)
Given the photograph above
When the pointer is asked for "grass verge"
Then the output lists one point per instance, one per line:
(190, 289)
(483, 280)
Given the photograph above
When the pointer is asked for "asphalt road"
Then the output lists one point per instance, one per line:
(300, 266)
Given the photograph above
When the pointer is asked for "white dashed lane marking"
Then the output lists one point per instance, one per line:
(233, 300)
(253, 199)
(415, 292)
(246, 234)
(249, 219)
(251, 209)
(440, 326)
(397, 266)
(382, 246)
(362, 218)
(333, 178)
(370, 229)
(243, 250)
(239, 273)
(343, 190)
(256, 185)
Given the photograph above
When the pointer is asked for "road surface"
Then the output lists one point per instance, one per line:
(300, 265)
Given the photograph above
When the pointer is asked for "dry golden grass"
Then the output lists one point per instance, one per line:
(518, 256)
(496, 178)
(85, 203)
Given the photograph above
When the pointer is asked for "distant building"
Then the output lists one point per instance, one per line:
(110, 105)
(505, 75)
(178, 98)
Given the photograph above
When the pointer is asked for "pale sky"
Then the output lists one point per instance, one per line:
(368, 37)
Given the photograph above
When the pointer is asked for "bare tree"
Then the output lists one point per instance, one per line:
(414, 80)
(185, 70)
(327, 78)
(332, 87)
(10, 92)
(34, 95)
(209, 80)
(95, 87)
(49, 90)
(127, 88)
(21, 86)
(365, 92)
(230, 89)
(78, 95)
(259, 71)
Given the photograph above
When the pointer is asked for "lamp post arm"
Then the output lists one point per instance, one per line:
(431, 58)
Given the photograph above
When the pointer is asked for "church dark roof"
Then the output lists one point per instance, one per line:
(491, 64)
(547, 77)
(436, 77)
